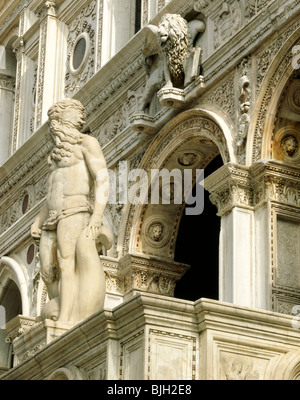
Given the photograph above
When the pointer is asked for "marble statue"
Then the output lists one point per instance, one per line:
(244, 119)
(172, 53)
(69, 226)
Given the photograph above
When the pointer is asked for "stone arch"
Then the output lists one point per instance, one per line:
(70, 373)
(260, 134)
(11, 37)
(284, 367)
(201, 134)
(11, 270)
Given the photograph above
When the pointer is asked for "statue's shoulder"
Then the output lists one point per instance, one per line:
(91, 145)
(88, 140)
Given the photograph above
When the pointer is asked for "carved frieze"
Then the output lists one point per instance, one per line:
(223, 96)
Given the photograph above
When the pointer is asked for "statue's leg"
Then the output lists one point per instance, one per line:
(167, 74)
(91, 277)
(68, 231)
(48, 262)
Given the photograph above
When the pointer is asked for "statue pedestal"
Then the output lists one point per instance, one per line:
(143, 123)
(36, 337)
(171, 97)
(154, 337)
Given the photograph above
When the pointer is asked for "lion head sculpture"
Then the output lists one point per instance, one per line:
(176, 43)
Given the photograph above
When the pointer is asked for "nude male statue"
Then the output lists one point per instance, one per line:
(68, 227)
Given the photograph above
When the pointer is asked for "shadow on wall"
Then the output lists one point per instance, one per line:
(198, 246)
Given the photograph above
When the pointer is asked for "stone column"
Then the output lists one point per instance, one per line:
(260, 234)
(7, 93)
(231, 192)
(276, 197)
(51, 62)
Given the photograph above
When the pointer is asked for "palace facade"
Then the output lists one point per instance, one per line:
(203, 289)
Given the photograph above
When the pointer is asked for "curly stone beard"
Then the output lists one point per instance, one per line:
(64, 137)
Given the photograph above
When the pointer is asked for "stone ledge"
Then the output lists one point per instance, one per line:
(151, 331)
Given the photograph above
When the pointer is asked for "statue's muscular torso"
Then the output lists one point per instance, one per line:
(69, 181)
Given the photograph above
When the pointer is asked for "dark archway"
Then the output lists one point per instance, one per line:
(10, 307)
(11, 301)
(198, 246)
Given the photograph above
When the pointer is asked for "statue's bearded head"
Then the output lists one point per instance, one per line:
(66, 119)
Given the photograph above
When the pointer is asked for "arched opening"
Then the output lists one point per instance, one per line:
(10, 307)
(11, 300)
(198, 246)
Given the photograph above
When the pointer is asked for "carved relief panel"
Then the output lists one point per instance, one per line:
(285, 260)
(228, 21)
(171, 355)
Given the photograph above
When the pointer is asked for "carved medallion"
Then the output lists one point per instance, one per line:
(156, 232)
(289, 146)
(187, 159)
(286, 145)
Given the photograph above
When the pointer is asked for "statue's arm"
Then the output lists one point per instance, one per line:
(36, 227)
(96, 164)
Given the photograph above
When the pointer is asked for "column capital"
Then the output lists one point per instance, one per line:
(150, 274)
(276, 182)
(229, 187)
(48, 8)
(236, 185)
(7, 82)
